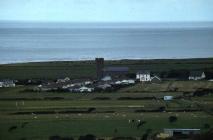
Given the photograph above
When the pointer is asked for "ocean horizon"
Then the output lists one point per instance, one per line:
(19, 45)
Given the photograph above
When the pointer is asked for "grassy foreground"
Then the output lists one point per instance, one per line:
(36, 116)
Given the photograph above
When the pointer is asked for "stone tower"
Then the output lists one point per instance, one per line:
(99, 67)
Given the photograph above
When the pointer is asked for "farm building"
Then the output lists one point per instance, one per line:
(106, 78)
(111, 71)
(116, 71)
(143, 76)
(63, 80)
(7, 83)
(86, 89)
(155, 79)
(179, 132)
(47, 87)
(197, 75)
(168, 98)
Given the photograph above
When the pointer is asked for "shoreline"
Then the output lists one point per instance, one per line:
(124, 59)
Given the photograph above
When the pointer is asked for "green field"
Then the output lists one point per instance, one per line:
(166, 86)
(36, 116)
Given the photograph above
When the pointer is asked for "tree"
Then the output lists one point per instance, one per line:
(172, 119)
(87, 137)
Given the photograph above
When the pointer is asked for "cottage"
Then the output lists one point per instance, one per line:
(197, 75)
(156, 79)
(48, 87)
(104, 86)
(7, 83)
(178, 132)
(106, 78)
(143, 76)
(86, 89)
(74, 88)
(1, 84)
(63, 80)
(167, 98)
(127, 82)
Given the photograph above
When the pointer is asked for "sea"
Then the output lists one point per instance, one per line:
(19, 45)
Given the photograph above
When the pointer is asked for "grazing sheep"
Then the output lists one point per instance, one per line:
(140, 124)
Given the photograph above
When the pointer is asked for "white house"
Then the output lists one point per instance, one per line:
(1, 84)
(197, 75)
(86, 89)
(7, 83)
(143, 76)
(167, 98)
(106, 78)
(63, 80)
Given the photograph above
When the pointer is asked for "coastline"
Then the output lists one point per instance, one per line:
(92, 59)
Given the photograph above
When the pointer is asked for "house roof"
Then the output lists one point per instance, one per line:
(143, 72)
(52, 85)
(195, 73)
(116, 69)
(181, 129)
(156, 77)
(7, 81)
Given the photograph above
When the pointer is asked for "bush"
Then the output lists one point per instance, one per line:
(60, 138)
(201, 92)
(162, 108)
(91, 109)
(12, 128)
(206, 126)
(54, 138)
(145, 136)
(87, 137)
(205, 136)
(123, 138)
(172, 119)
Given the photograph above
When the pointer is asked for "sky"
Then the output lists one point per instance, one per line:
(107, 10)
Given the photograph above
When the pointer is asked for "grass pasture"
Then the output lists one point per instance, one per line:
(35, 116)
(167, 86)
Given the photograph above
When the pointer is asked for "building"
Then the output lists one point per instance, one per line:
(143, 76)
(99, 68)
(116, 71)
(104, 86)
(86, 89)
(156, 79)
(197, 75)
(66, 79)
(1, 84)
(178, 132)
(168, 98)
(7, 83)
(47, 87)
(106, 78)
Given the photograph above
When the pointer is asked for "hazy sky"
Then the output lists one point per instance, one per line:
(107, 10)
